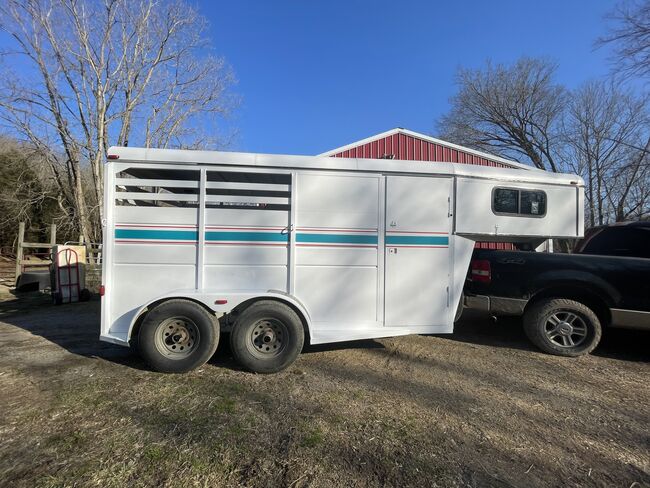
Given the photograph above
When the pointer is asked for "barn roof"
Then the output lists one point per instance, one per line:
(432, 150)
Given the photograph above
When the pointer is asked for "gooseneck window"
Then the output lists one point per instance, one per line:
(516, 202)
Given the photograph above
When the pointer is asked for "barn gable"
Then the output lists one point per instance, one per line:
(407, 145)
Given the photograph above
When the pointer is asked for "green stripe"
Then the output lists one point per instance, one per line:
(337, 238)
(418, 240)
(175, 235)
(190, 235)
(246, 236)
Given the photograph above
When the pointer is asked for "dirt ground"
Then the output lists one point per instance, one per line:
(478, 408)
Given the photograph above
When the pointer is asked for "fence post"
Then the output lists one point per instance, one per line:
(53, 234)
(19, 250)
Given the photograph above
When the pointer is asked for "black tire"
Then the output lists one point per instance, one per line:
(178, 336)
(562, 327)
(84, 295)
(267, 337)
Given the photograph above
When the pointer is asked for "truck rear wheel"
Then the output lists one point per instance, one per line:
(267, 337)
(178, 336)
(562, 327)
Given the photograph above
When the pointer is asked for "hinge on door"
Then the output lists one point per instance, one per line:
(447, 297)
(449, 214)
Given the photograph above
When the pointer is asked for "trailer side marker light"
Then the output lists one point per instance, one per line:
(220, 301)
(113, 156)
(102, 290)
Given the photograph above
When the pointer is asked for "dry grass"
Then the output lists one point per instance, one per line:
(480, 410)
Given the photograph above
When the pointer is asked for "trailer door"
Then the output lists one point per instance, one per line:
(417, 256)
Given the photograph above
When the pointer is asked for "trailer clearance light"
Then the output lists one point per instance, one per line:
(113, 156)
(102, 290)
(220, 301)
(481, 271)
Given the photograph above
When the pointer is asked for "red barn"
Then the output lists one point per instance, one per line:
(407, 145)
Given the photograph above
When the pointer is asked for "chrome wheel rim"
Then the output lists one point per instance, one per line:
(565, 329)
(177, 337)
(268, 338)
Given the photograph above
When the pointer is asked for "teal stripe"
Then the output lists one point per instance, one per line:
(246, 236)
(337, 238)
(189, 235)
(171, 235)
(418, 240)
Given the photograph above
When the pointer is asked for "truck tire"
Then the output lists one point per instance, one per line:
(267, 337)
(178, 336)
(562, 327)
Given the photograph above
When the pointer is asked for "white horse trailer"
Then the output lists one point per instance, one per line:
(279, 250)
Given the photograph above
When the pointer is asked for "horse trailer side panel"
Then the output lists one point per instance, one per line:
(336, 237)
(154, 234)
(418, 264)
(478, 211)
(247, 219)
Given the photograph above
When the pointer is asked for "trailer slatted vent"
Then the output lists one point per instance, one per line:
(147, 187)
(250, 191)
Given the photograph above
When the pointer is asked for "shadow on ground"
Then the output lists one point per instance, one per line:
(75, 327)
(479, 328)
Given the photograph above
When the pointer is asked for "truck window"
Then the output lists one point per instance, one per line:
(519, 202)
(619, 241)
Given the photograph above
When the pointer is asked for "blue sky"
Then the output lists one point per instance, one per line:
(314, 75)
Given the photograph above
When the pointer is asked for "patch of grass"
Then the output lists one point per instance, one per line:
(51, 481)
(67, 440)
(312, 438)
(200, 465)
(224, 405)
(236, 431)
(154, 453)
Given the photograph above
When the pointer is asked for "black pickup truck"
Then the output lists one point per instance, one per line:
(567, 299)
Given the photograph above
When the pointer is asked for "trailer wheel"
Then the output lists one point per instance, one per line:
(267, 337)
(562, 327)
(178, 336)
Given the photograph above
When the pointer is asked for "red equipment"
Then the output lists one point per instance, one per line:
(69, 262)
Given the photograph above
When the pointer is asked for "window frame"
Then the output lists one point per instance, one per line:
(518, 213)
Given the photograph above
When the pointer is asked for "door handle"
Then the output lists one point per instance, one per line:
(392, 250)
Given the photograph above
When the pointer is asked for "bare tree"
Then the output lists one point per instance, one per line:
(26, 195)
(630, 37)
(605, 129)
(109, 72)
(511, 110)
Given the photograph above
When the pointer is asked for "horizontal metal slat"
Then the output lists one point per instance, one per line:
(224, 185)
(37, 245)
(163, 197)
(246, 199)
(160, 183)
